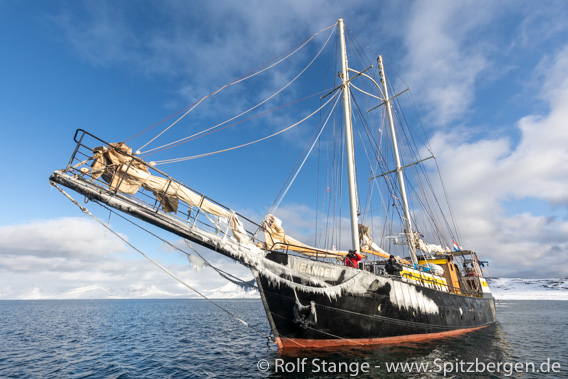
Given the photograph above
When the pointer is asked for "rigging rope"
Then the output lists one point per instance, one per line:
(174, 160)
(86, 211)
(243, 78)
(210, 131)
(178, 142)
(158, 123)
(275, 206)
(230, 277)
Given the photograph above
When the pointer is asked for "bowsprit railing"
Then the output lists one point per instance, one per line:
(114, 167)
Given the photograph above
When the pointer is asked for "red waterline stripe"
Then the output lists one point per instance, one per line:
(287, 343)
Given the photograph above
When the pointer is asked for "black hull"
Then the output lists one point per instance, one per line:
(368, 318)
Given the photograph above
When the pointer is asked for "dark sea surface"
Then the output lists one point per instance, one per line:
(194, 339)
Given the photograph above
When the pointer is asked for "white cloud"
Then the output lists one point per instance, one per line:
(74, 252)
(444, 57)
(58, 238)
(540, 23)
(196, 40)
(487, 173)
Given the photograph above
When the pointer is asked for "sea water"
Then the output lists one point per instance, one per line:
(195, 339)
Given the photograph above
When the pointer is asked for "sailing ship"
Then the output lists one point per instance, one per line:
(315, 296)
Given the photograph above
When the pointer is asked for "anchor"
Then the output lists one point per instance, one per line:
(305, 315)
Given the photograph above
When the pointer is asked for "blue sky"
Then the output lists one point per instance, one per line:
(490, 79)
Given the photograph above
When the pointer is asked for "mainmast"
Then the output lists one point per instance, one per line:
(409, 233)
(349, 142)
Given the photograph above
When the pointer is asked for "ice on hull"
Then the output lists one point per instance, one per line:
(370, 311)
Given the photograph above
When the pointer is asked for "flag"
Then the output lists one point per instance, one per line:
(456, 246)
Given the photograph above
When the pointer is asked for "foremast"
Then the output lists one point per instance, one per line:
(399, 173)
(353, 208)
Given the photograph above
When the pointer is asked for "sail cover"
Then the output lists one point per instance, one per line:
(276, 238)
(429, 248)
(274, 234)
(367, 242)
(127, 174)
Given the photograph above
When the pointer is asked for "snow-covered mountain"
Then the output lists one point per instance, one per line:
(529, 289)
(502, 289)
(232, 291)
(94, 291)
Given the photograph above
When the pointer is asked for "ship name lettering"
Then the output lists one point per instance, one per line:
(322, 272)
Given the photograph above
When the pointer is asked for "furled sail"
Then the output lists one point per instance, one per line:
(429, 248)
(367, 242)
(276, 238)
(124, 173)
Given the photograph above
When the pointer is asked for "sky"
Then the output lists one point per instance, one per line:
(489, 78)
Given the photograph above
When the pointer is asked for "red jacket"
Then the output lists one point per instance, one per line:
(353, 261)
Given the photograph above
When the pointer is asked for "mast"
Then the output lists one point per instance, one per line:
(349, 142)
(409, 233)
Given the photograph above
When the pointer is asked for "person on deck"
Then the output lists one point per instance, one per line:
(391, 266)
(352, 259)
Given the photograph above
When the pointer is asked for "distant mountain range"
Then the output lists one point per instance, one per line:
(94, 291)
(502, 288)
(529, 289)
